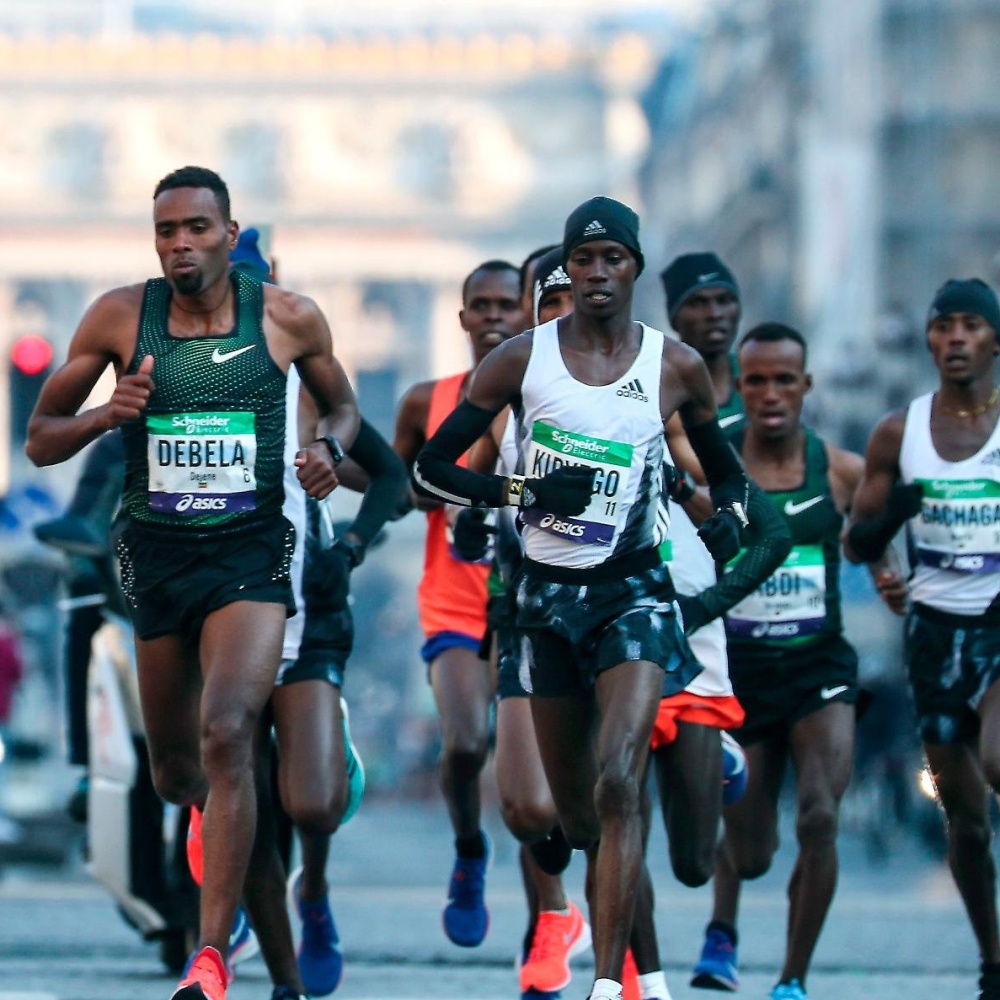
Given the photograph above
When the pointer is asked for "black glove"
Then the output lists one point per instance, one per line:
(694, 614)
(471, 534)
(721, 533)
(870, 538)
(566, 491)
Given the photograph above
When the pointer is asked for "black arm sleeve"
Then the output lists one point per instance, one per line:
(435, 473)
(727, 482)
(871, 537)
(387, 482)
(768, 543)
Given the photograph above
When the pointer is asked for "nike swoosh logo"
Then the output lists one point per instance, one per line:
(791, 508)
(731, 419)
(218, 357)
(703, 278)
(827, 693)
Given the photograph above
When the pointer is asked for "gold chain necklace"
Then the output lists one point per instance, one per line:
(976, 411)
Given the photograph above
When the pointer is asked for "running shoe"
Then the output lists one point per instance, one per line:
(466, 919)
(734, 770)
(558, 937)
(243, 943)
(630, 978)
(195, 848)
(321, 963)
(717, 968)
(789, 991)
(205, 977)
(355, 771)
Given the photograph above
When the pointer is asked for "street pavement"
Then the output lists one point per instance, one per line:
(896, 932)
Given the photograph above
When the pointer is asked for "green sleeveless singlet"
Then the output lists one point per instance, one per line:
(732, 416)
(208, 452)
(798, 605)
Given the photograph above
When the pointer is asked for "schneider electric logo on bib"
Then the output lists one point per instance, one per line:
(570, 443)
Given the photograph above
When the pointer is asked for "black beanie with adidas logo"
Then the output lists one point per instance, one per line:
(603, 219)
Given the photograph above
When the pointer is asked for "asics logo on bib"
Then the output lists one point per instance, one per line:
(188, 502)
(553, 523)
(768, 630)
(218, 357)
(633, 390)
(963, 564)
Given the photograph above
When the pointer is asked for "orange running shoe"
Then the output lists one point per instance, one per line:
(630, 978)
(558, 937)
(205, 979)
(195, 849)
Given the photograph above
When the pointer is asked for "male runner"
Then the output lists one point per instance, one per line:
(703, 306)
(594, 600)
(557, 929)
(201, 359)
(934, 466)
(452, 602)
(792, 670)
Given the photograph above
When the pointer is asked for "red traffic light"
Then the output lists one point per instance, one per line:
(31, 354)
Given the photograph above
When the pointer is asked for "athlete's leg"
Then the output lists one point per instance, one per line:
(822, 749)
(240, 651)
(264, 886)
(463, 690)
(961, 785)
(751, 828)
(628, 698)
(525, 800)
(312, 771)
(692, 805)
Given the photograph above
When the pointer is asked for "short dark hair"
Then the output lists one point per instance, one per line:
(769, 333)
(487, 265)
(531, 258)
(197, 177)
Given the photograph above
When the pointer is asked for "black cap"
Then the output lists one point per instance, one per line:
(966, 295)
(691, 271)
(603, 219)
(549, 274)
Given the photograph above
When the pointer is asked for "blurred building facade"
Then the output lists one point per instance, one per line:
(840, 156)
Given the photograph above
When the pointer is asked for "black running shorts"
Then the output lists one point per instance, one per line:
(777, 688)
(575, 631)
(172, 583)
(952, 663)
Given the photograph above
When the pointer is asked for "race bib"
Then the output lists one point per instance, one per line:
(958, 527)
(551, 448)
(789, 604)
(202, 463)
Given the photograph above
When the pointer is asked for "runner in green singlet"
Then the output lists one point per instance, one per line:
(200, 358)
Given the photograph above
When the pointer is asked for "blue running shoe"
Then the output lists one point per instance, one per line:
(243, 943)
(466, 919)
(321, 964)
(717, 967)
(734, 770)
(355, 771)
(789, 991)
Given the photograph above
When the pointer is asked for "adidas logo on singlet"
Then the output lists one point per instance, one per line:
(633, 390)
(594, 228)
(993, 458)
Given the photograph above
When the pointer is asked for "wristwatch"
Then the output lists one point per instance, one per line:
(337, 452)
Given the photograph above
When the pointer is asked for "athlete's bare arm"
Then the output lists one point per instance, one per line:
(685, 386)
(699, 506)
(106, 336)
(845, 470)
(881, 472)
(297, 333)
(411, 433)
